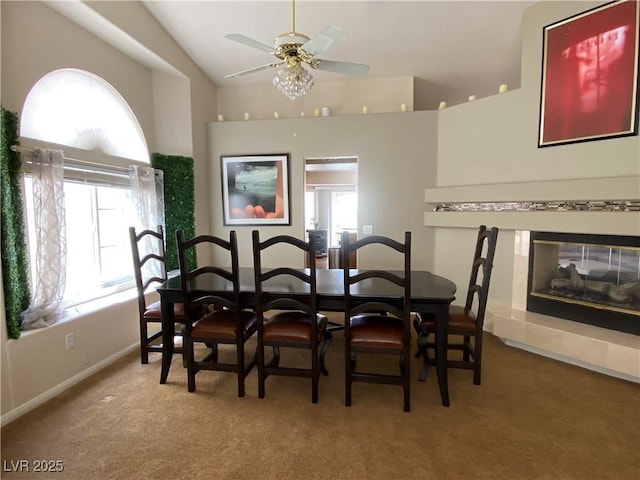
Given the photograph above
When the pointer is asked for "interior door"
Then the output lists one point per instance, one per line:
(331, 198)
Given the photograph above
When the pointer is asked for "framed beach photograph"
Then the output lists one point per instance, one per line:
(255, 189)
(589, 85)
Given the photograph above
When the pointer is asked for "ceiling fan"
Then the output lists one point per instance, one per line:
(294, 49)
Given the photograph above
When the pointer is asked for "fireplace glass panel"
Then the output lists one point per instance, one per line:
(603, 276)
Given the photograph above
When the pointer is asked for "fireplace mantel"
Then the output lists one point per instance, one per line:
(607, 351)
(574, 190)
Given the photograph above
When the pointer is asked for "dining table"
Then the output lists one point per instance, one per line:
(430, 294)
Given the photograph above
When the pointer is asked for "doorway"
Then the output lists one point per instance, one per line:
(331, 196)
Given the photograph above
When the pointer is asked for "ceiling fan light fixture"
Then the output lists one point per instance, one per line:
(293, 81)
(294, 49)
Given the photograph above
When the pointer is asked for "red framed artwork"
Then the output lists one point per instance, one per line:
(590, 76)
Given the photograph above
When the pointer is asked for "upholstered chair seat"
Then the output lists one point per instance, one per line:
(222, 324)
(377, 331)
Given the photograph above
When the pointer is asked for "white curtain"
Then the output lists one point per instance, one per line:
(147, 187)
(47, 285)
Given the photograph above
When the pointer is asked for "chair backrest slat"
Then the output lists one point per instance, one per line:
(482, 257)
(189, 277)
(148, 253)
(398, 306)
(267, 299)
(286, 271)
(391, 277)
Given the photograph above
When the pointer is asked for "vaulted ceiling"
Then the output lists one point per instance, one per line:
(452, 48)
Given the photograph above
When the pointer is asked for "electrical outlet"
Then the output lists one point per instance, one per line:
(367, 229)
(71, 341)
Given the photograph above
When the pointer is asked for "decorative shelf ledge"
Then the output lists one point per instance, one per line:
(584, 189)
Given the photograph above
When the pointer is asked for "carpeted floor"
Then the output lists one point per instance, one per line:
(532, 418)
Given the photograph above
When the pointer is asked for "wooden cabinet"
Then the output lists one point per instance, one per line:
(321, 242)
(353, 259)
(335, 254)
(331, 257)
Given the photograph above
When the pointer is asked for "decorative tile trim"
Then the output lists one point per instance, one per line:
(561, 206)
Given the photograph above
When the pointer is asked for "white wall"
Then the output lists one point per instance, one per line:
(500, 147)
(500, 132)
(396, 160)
(346, 96)
(173, 104)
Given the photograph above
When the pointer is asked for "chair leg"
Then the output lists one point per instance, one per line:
(348, 367)
(315, 373)
(422, 351)
(275, 360)
(416, 327)
(213, 356)
(465, 351)
(406, 373)
(252, 363)
(261, 377)
(187, 346)
(477, 360)
(144, 354)
(323, 351)
(240, 367)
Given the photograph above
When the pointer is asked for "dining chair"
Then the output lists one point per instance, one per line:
(284, 320)
(148, 252)
(379, 324)
(468, 320)
(224, 322)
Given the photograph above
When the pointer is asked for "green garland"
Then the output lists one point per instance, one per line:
(179, 201)
(15, 260)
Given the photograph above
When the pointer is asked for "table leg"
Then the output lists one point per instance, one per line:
(168, 331)
(442, 319)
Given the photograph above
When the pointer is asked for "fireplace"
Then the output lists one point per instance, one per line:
(593, 279)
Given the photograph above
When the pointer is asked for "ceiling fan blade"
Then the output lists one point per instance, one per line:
(347, 68)
(253, 70)
(324, 40)
(238, 37)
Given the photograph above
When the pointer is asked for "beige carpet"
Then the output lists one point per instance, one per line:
(532, 418)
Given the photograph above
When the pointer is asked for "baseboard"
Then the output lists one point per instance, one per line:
(58, 389)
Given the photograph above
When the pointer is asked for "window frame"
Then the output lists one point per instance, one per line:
(54, 95)
(107, 170)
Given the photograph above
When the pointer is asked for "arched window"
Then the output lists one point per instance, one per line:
(79, 109)
(76, 109)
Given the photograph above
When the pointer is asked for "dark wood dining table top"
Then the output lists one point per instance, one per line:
(427, 289)
(429, 294)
